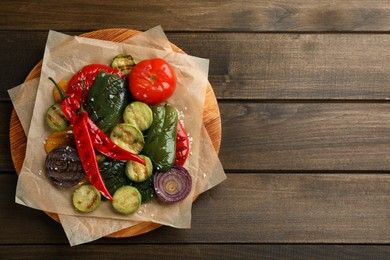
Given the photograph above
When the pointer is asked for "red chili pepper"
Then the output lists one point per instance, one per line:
(69, 104)
(87, 153)
(88, 137)
(69, 107)
(99, 139)
(182, 145)
(107, 147)
(82, 81)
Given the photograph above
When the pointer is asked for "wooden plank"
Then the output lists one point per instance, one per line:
(305, 136)
(254, 15)
(294, 66)
(291, 136)
(246, 208)
(20, 52)
(5, 158)
(270, 66)
(235, 251)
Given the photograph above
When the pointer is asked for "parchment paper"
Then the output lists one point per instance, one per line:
(64, 55)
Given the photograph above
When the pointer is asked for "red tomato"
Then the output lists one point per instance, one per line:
(152, 81)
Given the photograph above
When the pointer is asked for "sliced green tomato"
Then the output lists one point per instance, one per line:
(138, 114)
(86, 198)
(138, 172)
(128, 137)
(126, 200)
(55, 118)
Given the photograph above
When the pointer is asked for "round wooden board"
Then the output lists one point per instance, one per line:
(211, 120)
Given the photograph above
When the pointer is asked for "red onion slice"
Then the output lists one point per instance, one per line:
(173, 185)
(63, 167)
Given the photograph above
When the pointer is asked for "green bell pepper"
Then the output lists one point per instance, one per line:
(113, 174)
(160, 140)
(106, 100)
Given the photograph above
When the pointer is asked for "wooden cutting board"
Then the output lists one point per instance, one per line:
(211, 120)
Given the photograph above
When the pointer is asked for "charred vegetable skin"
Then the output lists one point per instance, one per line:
(123, 62)
(114, 176)
(126, 200)
(137, 172)
(82, 81)
(86, 198)
(59, 138)
(71, 107)
(146, 188)
(160, 140)
(88, 107)
(107, 147)
(88, 136)
(55, 118)
(106, 100)
(100, 140)
(63, 167)
(87, 153)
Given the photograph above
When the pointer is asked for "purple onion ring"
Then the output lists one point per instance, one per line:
(173, 185)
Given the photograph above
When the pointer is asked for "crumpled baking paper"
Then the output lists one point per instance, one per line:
(65, 55)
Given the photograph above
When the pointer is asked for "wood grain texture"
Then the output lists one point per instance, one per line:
(294, 136)
(270, 66)
(5, 154)
(284, 136)
(261, 208)
(200, 15)
(215, 252)
(303, 89)
(294, 66)
(308, 136)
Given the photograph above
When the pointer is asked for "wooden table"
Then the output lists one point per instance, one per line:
(303, 89)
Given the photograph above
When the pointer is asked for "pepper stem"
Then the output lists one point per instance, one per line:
(62, 94)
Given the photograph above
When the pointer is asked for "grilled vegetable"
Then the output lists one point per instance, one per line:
(113, 174)
(128, 137)
(146, 189)
(87, 153)
(101, 142)
(138, 114)
(160, 140)
(126, 200)
(81, 82)
(63, 167)
(106, 100)
(123, 62)
(138, 172)
(107, 147)
(174, 185)
(59, 138)
(86, 198)
(55, 118)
